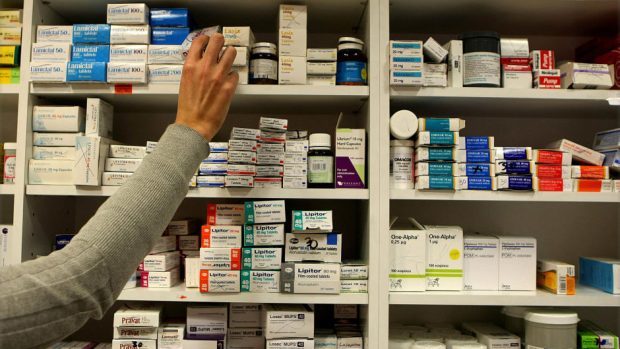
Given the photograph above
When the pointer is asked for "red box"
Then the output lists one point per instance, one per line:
(550, 171)
(547, 79)
(542, 59)
(515, 61)
(550, 184)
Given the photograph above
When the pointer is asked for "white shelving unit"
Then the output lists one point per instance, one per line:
(7, 189)
(9, 89)
(509, 196)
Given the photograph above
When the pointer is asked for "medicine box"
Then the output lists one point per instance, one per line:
(91, 34)
(122, 165)
(9, 75)
(473, 170)
(242, 338)
(513, 153)
(247, 315)
(219, 281)
(245, 133)
(168, 36)
(579, 152)
(523, 167)
(170, 17)
(321, 80)
(270, 171)
(353, 271)
(203, 344)
(10, 17)
(435, 52)
(62, 240)
(273, 124)
(165, 54)
(292, 70)
(213, 158)
(435, 183)
(444, 258)
(138, 315)
(192, 272)
(130, 34)
(590, 172)
(321, 68)
(407, 78)
(322, 278)
(225, 214)
(612, 159)
(514, 47)
(272, 137)
(312, 221)
(239, 181)
(207, 322)
(321, 54)
(406, 48)
(551, 157)
(353, 286)
(161, 261)
(95, 72)
(243, 72)
(182, 227)
(55, 139)
(240, 170)
(586, 76)
(91, 152)
(129, 53)
(263, 235)
(601, 273)
(455, 63)
(480, 263)
(292, 343)
(607, 140)
(295, 182)
(350, 158)
(542, 59)
(160, 279)
(170, 336)
(51, 52)
(440, 153)
(164, 73)
(269, 158)
(267, 182)
(437, 138)
(313, 247)
(516, 76)
(188, 242)
(127, 151)
(515, 182)
(55, 33)
(212, 169)
(53, 153)
(128, 14)
(552, 184)
(296, 146)
(593, 185)
(220, 258)
(48, 72)
(257, 212)
(288, 321)
(238, 36)
(135, 332)
(404, 63)
(164, 243)
(132, 343)
(241, 145)
(293, 16)
(227, 236)
(99, 119)
(90, 53)
(261, 258)
(260, 281)
(436, 169)
(547, 79)
(127, 72)
(58, 118)
(591, 336)
(12, 36)
(295, 170)
(556, 277)
(517, 263)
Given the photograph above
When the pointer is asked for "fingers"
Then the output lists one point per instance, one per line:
(227, 59)
(198, 46)
(214, 48)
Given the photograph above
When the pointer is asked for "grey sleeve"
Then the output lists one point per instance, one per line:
(44, 300)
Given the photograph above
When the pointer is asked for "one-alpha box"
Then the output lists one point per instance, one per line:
(288, 321)
(407, 257)
(444, 258)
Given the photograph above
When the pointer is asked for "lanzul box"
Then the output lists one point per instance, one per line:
(312, 221)
(323, 278)
(480, 263)
(257, 212)
(407, 257)
(350, 158)
(444, 258)
(313, 247)
(263, 235)
(262, 258)
(99, 119)
(260, 281)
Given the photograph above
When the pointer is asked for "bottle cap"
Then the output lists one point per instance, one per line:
(320, 140)
(403, 124)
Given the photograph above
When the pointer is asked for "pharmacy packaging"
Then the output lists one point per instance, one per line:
(261, 258)
(165, 54)
(601, 273)
(55, 33)
(270, 171)
(188, 242)
(170, 17)
(444, 258)
(295, 170)
(220, 258)
(469, 156)
(207, 322)
(219, 281)
(434, 51)
(238, 36)
(250, 134)
(49, 72)
(128, 14)
(353, 286)
(268, 158)
(182, 227)
(51, 52)
(169, 36)
(170, 336)
(552, 184)
(542, 59)
(516, 76)
(90, 155)
(593, 185)
(239, 170)
(225, 214)
(311, 221)
(214, 158)
(114, 178)
(446, 154)
(87, 72)
(437, 138)
(138, 315)
(242, 59)
(579, 152)
(304, 247)
(99, 118)
(209, 169)
(607, 140)
(127, 72)
(586, 76)
(350, 158)
(290, 343)
(55, 139)
(517, 263)
(273, 124)
(547, 79)
(58, 119)
(406, 48)
(263, 235)
(133, 343)
(323, 278)
(127, 151)
(556, 277)
(321, 54)
(292, 70)
(288, 321)
(9, 55)
(407, 63)
(293, 16)
(267, 182)
(128, 53)
(160, 279)
(591, 336)
(53, 153)
(406, 78)
(257, 212)
(227, 236)
(9, 75)
(164, 243)
(435, 183)
(480, 263)
(91, 34)
(294, 182)
(435, 169)
(590, 172)
(455, 62)
(90, 53)
(242, 145)
(474, 170)
(243, 72)
(513, 153)
(135, 332)
(492, 336)
(239, 181)
(515, 182)
(130, 34)
(164, 73)
(10, 36)
(292, 42)
(203, 344)
(296, 158)
(321, 68)
(161, 261)
(547, 328)
(11, 17)
(321, 80)
(62, 240)
(522, 167)
(192, 272)
(441, 124)
(260, 281)
(150, 146)
(296, 146)
(122, 165)
(245, 315)
(353, 271)
(551, 157)
(245, 338)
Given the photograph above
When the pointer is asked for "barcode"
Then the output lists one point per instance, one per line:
(318, 167)
(562, 285)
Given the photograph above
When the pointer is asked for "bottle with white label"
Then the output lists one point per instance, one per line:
(320, 161)
(401, 164)
(10, 150)
(264, 64)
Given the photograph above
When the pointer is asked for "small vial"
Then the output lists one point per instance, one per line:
(320, 161)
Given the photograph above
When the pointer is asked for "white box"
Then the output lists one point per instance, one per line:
(164, 243)
(262, 258)
(293, 16)
(260, 281)
(99, 118)
(267, 182)
(12, 36)
(480, 263)
(166, 54)
(251, 134)
(353, 286)
(295, 170)
(245, 338)
(160, 279)
(122, 165)
(321, 68)
(353, 271)
(182, 227)
(220, 281)
(164, 73)
(514, 48)
(408, 48)
(161, 261)
(135, 333)
(239, 181)
(407, 78)
(292, 42)
(516, 76)
(55, 139)
(270, 171)
(257, 212)
(51, 52)
(296, 146)
(130, 34)
(263, 235)
(150, 146)
(290, 343)
(192, 272)
(313, 247)
(273, 124)
(585, 76)
(214, 157)
(170, 336)
(133, 343)
(288, 321)
(517, 263)
(313, 221)
(444, 258)
(225, 214)
(408, 257)
(90, 154)
(127, 72)
(53, 153)
(241, 145)
(58, 119)
(50, 172)
(207, 322)
(270, 148)
(240, 170)
(319, 278)
(48, 72)
(455, 63)
(220, 258)
(292, 70)
(128, 14)
(127, 151)
(579, 152)
(321, 80)
(243, 72)
(129, 53)
(238, 36)
(322, 54)
(245, 315)
(202, 344)
(434, 51)
(138, 315)
(114, 178)
(221, 236)
(188, 242)
(55, 33)
(272, 137)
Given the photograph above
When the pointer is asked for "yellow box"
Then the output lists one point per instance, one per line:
(556, 277)
(9, 76)
(9, 55)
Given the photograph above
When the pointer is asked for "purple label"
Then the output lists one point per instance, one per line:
(520, 182)
(515, 154)
(346, 174)
(514, 167)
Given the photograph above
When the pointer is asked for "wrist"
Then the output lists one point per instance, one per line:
(203, 130)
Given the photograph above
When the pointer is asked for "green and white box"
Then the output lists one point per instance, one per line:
(260, 281)
(407, 257)
(263, 235)
(257, 212)
(444, 258)
(312, 221)
(261, 258)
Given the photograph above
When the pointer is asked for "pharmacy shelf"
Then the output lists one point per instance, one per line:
(9, 89)
(7, 189)
(585, 297)
(313, 194)
(470, 195)
(182, 294)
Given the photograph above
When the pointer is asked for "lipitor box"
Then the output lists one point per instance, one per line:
(207, 322)
(238, 36)
(165, 54)
(288, 321)
(130, 34)
(161, 261)
(260, 281)
(220, 258)
(55, 33)
(245, 315)
(87, 72)
(556, 277)
(312, 221)
(127, 151)
(350, 158)
(99, 118)
(292, 70)
(127, 72)
(313, 247)
(165, 73)
(164, 243)
(579, 152)
(55, 139)
(263, 235)
(129, 53)
(135, 333)
(90, 157)
(122, 165)
(58, 118)
(261, 258)
(160, 279)
(517, 263)
(291, 343)
(132, 343)
(90, 53)
(138, 315)
(91, 34)
(225, 214)
(293, 16)
(128, 14)
(51, 52)
(226, 236)
(219, 281)
(245, 338)
(50, 172)
(480, 263)
(257, 212)
(319, 278)
(53, 153)
(586, 76)
(48, 72)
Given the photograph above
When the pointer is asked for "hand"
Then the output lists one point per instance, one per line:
(207, 86)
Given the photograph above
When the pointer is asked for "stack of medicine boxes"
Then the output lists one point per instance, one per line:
(476, 170)
(353, 278)
(292, 44)
(406, 63)
(10, 41)
(130, 35)
(270, 154)
(242, 157)
(243, 39)
(321, 67)
(51, 53)
(136, 326)
(590, 176)
(160, 268)
(220, 249)
(516, 69)
(245, 326)
(435, 70)
(212, 170)
(552, 170)
(296, 164)
(289, 326)
(206, 326)
(514, 168)
(90, 53)
(124, 159)
(165, 56)
(608, 143)
(436, 146)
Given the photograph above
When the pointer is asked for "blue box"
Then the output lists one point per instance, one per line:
(523, 167)
(476, 142)
(90, 53)
(514, 182)
(62, 240)
(480, 183)
(478, 170)
(601, 273)
(170, 17)
(87, 72)
(168, 36)
(91, 34)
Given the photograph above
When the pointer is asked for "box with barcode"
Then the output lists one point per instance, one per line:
(556, 277)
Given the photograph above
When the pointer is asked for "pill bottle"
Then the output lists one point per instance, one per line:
(352, 62)
(514, 321)
(401, 164)
(551, 329)
(428, 345)
(264, 64)
(481, 59)
(320, 161)
(10, 151)
(403, 124)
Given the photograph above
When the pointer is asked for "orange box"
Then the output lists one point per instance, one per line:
(590, 172)
(556, 277)
(593, 185)
(220, 281)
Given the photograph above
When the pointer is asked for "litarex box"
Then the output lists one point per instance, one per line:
(260, 281)
(262, 258)
(407, 257)
(227, 236)
(225, 214)
(246, 315)
(517, 263)
(219, 281)
(257, 212)
(138, 315)
(313, 247)
(323, 278)
(350, 158)
(312, 221)
(207, 322)
(99, 118)
(263, 235)
(90, 155)
(480, 263)
(288, 321)
(58, 118)
(444, 258)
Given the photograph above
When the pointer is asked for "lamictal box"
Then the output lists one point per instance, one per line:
(263, 235)
(219, 281)
(309, 278)
(166, 54)
(128, 14)
(127, 72)
(90, 53)
(55, 33)
(51, 52)
(165, 73)
(87, 72)
(129, 53)
(91, 34)
(48, 72)
(260, 281)
(226, 236)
